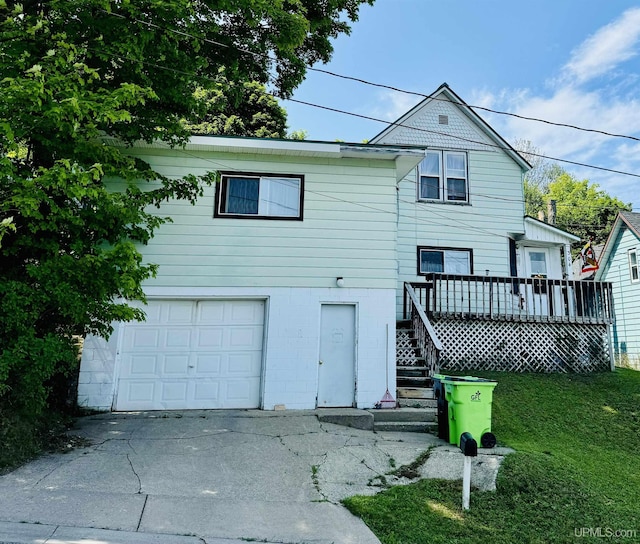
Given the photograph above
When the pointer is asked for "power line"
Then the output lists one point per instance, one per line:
(192, 75)
(374, 84)
(390, 123)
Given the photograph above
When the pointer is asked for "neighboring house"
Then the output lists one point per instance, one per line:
(283, 285)
(620, 265)
(275, 290)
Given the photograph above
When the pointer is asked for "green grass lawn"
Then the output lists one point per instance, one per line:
(577, 465)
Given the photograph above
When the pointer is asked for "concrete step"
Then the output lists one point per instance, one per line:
(403, 415)
(407, 426)
(417, 403)
(414, 392)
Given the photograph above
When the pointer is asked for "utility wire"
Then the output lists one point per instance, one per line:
(192, 75)
(374, 84)
(503, 148)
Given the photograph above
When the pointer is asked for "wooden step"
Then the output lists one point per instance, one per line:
(414, 392)
(417, 403)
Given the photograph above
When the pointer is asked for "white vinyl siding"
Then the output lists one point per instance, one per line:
(348, 230)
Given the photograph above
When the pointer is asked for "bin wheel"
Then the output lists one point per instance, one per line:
(488, 440)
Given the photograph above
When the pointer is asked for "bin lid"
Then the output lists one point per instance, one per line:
(470, 379)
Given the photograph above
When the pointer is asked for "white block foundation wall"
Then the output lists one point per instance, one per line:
(291, 345)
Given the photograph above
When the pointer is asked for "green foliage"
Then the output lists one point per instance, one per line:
(250, 112)
(577, 438)
(583, 208)
(83, 79)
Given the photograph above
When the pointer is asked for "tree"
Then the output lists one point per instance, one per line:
(536, 180)
(583, 208)
(80, 74)
(250, 112)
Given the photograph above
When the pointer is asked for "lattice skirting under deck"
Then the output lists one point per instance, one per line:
(522, 347)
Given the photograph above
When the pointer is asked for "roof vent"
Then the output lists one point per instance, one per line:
(443, 119)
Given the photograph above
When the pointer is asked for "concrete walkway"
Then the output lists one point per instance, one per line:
(215, 477)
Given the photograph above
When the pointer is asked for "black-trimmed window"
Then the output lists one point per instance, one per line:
(246, 195)
(444, 260)
(634, 271)
(442, 176)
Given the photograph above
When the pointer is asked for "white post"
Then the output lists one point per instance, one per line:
(466, 483)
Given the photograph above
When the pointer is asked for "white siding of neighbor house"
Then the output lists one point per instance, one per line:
(495, 210)
(348, 229)
(626, 298)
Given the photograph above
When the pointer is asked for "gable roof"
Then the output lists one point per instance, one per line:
(631, 220)
(445, 94)
(561, 235)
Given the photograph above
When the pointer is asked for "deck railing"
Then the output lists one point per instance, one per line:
(429, 346)
(517, 299)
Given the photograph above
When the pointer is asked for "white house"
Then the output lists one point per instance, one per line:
(276, 289)
(282, 286)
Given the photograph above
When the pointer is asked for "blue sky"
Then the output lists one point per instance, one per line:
(567, 61)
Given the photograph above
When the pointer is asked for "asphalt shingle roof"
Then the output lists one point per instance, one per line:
(633, 220)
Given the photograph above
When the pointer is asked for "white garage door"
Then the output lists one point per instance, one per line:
(192, 354)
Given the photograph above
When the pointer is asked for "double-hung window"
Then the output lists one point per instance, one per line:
(442, 175)
(634, 273)
(444, 260)
(276, 196)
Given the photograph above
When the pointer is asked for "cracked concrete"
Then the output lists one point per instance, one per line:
(217, 476)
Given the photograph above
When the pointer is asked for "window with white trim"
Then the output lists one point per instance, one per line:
(444, 260)
(634, 273)
(442, 176)
(275, 196)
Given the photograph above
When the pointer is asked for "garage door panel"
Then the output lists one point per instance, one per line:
(207, 391)
(245, 337)
(241, 391)
(140, 393)
(139, 365)
(208, 363)
(195, 354)
(175, 392)
(210, 337)
(175, 364)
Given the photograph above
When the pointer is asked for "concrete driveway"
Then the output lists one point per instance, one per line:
(206, 476)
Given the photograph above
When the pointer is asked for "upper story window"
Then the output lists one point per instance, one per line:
(633, 265)
(274, 196)
(444, 260)
(442, 175)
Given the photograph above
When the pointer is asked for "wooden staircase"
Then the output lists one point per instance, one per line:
(414, 386)
(416, 407)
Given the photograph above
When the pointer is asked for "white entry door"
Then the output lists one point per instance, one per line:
(336, 365)
(537, 266)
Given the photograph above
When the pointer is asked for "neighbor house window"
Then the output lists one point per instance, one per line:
(442, 175)
(633, 265)
(263, 196)
(444, 260)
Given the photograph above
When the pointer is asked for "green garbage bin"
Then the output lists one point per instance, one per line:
(469, 402)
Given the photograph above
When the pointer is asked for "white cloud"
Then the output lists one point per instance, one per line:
(393, 104)
(606, 48)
